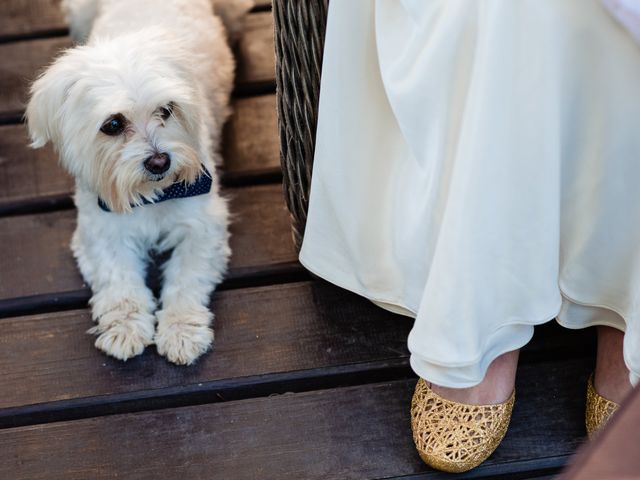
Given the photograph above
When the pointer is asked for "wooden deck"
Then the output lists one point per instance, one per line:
(306, 381)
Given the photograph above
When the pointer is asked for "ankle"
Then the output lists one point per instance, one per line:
(611, 379)
(496, 387)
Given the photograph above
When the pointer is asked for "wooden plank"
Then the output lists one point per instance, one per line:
(345, 433)
(29, 18)
(259, 331)
(23, 60)
(37, 260)
(26, 18)
(21, 63)
(262, 4)
(30, 176)
(251, 144)
(260, 229)
(317, 335)
(25, 173)
(256, 55)
(36, 256)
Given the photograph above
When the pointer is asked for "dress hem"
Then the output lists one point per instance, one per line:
(391, 306)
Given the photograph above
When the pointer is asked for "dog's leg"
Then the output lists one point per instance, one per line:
(197, 265)
(121, 305)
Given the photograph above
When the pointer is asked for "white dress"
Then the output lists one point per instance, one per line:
(478, 167)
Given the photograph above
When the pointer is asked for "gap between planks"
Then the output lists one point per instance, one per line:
(34, 181)
(326, 434)
(318, 337)
(254, 52)
(45, 276)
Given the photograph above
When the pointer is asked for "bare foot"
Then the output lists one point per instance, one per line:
(612, 376)
(496, 387)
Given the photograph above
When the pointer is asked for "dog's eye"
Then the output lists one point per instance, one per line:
(166, 111)
(114, 125)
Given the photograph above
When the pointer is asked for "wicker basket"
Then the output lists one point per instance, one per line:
(299, 40)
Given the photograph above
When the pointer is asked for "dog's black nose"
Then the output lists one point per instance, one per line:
(158, 163)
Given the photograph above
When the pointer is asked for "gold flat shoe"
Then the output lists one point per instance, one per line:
(599, 409)
(455, 437)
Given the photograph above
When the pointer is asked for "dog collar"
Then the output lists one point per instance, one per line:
(201, 186)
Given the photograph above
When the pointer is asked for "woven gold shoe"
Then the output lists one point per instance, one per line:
(455, 437)
(599, 409)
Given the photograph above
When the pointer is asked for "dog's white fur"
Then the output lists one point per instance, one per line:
(139, 57)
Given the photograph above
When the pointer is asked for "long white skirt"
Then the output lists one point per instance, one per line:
(478, 167)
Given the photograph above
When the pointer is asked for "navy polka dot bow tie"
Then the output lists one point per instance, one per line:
(201, 186)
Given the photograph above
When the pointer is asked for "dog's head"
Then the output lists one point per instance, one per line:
(124, 116)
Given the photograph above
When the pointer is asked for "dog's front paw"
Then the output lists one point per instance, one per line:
(123, 333)
(183, 336)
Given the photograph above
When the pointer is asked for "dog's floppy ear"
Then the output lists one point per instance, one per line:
(48, 94)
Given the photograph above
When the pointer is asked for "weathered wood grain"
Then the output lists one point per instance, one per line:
(289, 337)
(251, 143)
(260, 229)
(250, 149)
(28, 18)
(256, 54)
(346, 433)
(36, 258)
(262, 4)
(26, 173)
(259, 331)
(20, 65)
(23, 60)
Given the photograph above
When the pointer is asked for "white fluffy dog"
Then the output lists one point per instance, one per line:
(136, 116)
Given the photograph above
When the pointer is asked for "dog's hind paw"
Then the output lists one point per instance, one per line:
(123, 334)
(183, 337)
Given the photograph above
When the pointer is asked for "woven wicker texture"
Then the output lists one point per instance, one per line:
(299, 41)
(598, 410)
(452, 436)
